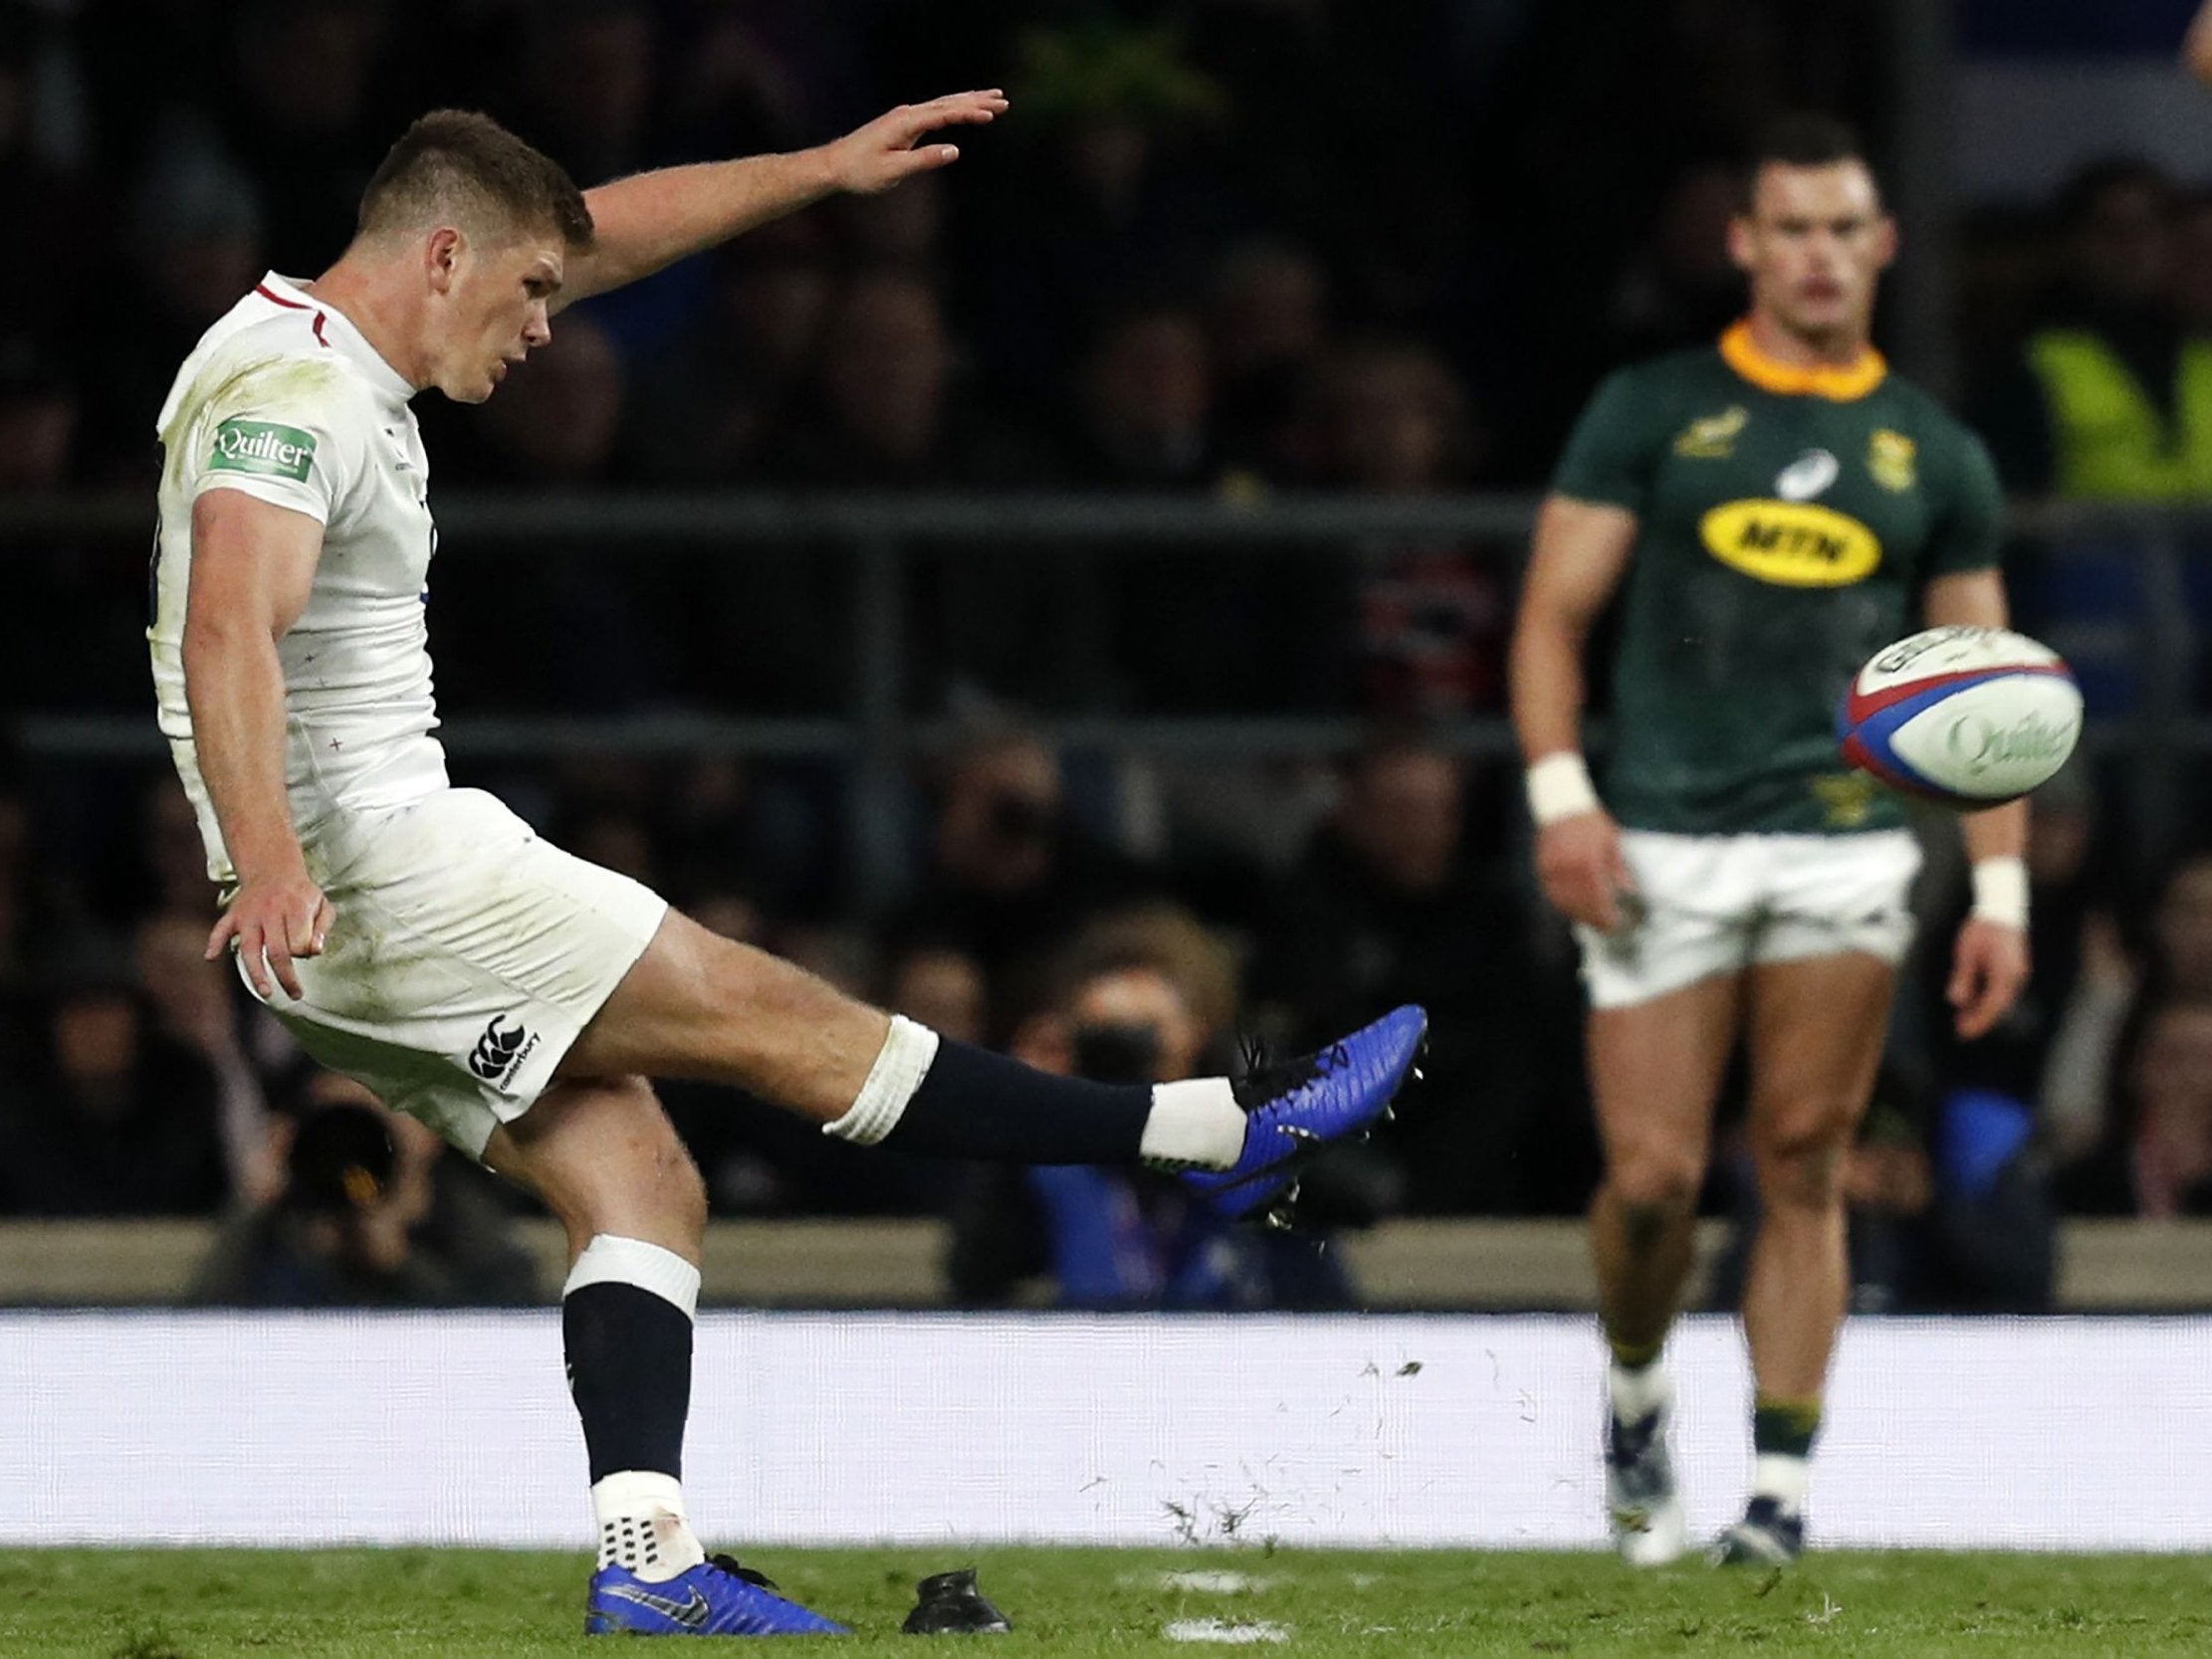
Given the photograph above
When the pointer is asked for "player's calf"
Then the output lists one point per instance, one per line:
(1245, 1139)
(694, 1005)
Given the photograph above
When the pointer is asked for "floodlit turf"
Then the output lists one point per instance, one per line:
(472, 1604)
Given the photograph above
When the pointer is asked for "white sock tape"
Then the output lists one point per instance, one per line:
(1195, 1124)
(1636, 1395)
(643, 1526)
(1781, 1477)
(637, 1492)
(1559, 787)
(2001, 891)
(610, 1259)
(901, 1064)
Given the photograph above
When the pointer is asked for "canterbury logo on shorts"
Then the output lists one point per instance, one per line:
(500, 1051)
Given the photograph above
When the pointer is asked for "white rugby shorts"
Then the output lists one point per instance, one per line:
(1706, 905)
(466, 957)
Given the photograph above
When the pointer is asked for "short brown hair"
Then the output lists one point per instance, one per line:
(1801, 139)
(462, 165)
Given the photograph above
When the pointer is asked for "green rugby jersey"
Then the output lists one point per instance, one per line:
(1786, 519)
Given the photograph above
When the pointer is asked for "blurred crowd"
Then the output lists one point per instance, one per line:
(137, 1077)
(1223, 247)
(1061, 908)
(1216, 238)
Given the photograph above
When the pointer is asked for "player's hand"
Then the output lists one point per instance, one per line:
(889, 149)
(272, 922)
(1989, 970)
(1579, 861)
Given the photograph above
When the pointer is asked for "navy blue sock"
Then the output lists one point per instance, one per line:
(978, 1105)
(629, 1371)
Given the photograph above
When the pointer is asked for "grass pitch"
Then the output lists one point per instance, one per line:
(1075, 1603)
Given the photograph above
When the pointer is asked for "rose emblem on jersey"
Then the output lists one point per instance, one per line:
(1807, 476)
(1889, 457)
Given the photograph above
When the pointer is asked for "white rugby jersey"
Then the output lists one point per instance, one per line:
(285, 400)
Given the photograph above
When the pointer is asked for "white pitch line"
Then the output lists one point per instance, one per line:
(1215, 1583)
(1220, 1630)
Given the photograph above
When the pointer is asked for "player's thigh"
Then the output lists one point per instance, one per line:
(1690, 917)
(1817, 1028)
(1654, 1073)
(467, 955)
(1835, 895)
(604, 1158)
(701, 1006)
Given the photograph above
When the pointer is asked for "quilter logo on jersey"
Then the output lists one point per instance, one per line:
(243, 446)
(501, 1051)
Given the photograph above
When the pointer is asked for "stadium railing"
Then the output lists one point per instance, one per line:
(2116, 589)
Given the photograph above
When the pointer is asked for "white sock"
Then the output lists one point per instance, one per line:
(1196, 1124)
(900, 1064)
(643, 1526)
(1783, 1478)
(1637, 1394)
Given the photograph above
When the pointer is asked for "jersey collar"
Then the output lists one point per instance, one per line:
(340, 334)
(1838, 383)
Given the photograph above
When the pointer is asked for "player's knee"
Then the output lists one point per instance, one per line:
(632, 1176)
(1800, 1160)
(682, 1190)
(662, 1179)
(1652, 1185)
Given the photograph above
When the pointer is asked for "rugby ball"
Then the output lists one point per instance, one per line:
(1969, 716)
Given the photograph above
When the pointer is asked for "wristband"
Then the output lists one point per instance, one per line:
(1559, 787)
(2001, 892)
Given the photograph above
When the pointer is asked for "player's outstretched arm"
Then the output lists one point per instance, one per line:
(253, 564)
(1989, 963)
(652, 220)
(1581, 552)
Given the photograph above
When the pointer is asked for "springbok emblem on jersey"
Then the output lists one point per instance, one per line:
(1712, 437)
(1890, 458)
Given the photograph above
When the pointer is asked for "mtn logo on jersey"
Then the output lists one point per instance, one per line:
(1807, 476)
(499, 1053)
(243, 446)
(1791, 543)
(1712, 437)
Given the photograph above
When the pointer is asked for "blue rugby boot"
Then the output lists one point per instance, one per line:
(718, 1597)
(1295, 1108)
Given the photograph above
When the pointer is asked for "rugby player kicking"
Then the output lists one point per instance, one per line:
(422, 940)
(1768, 510)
